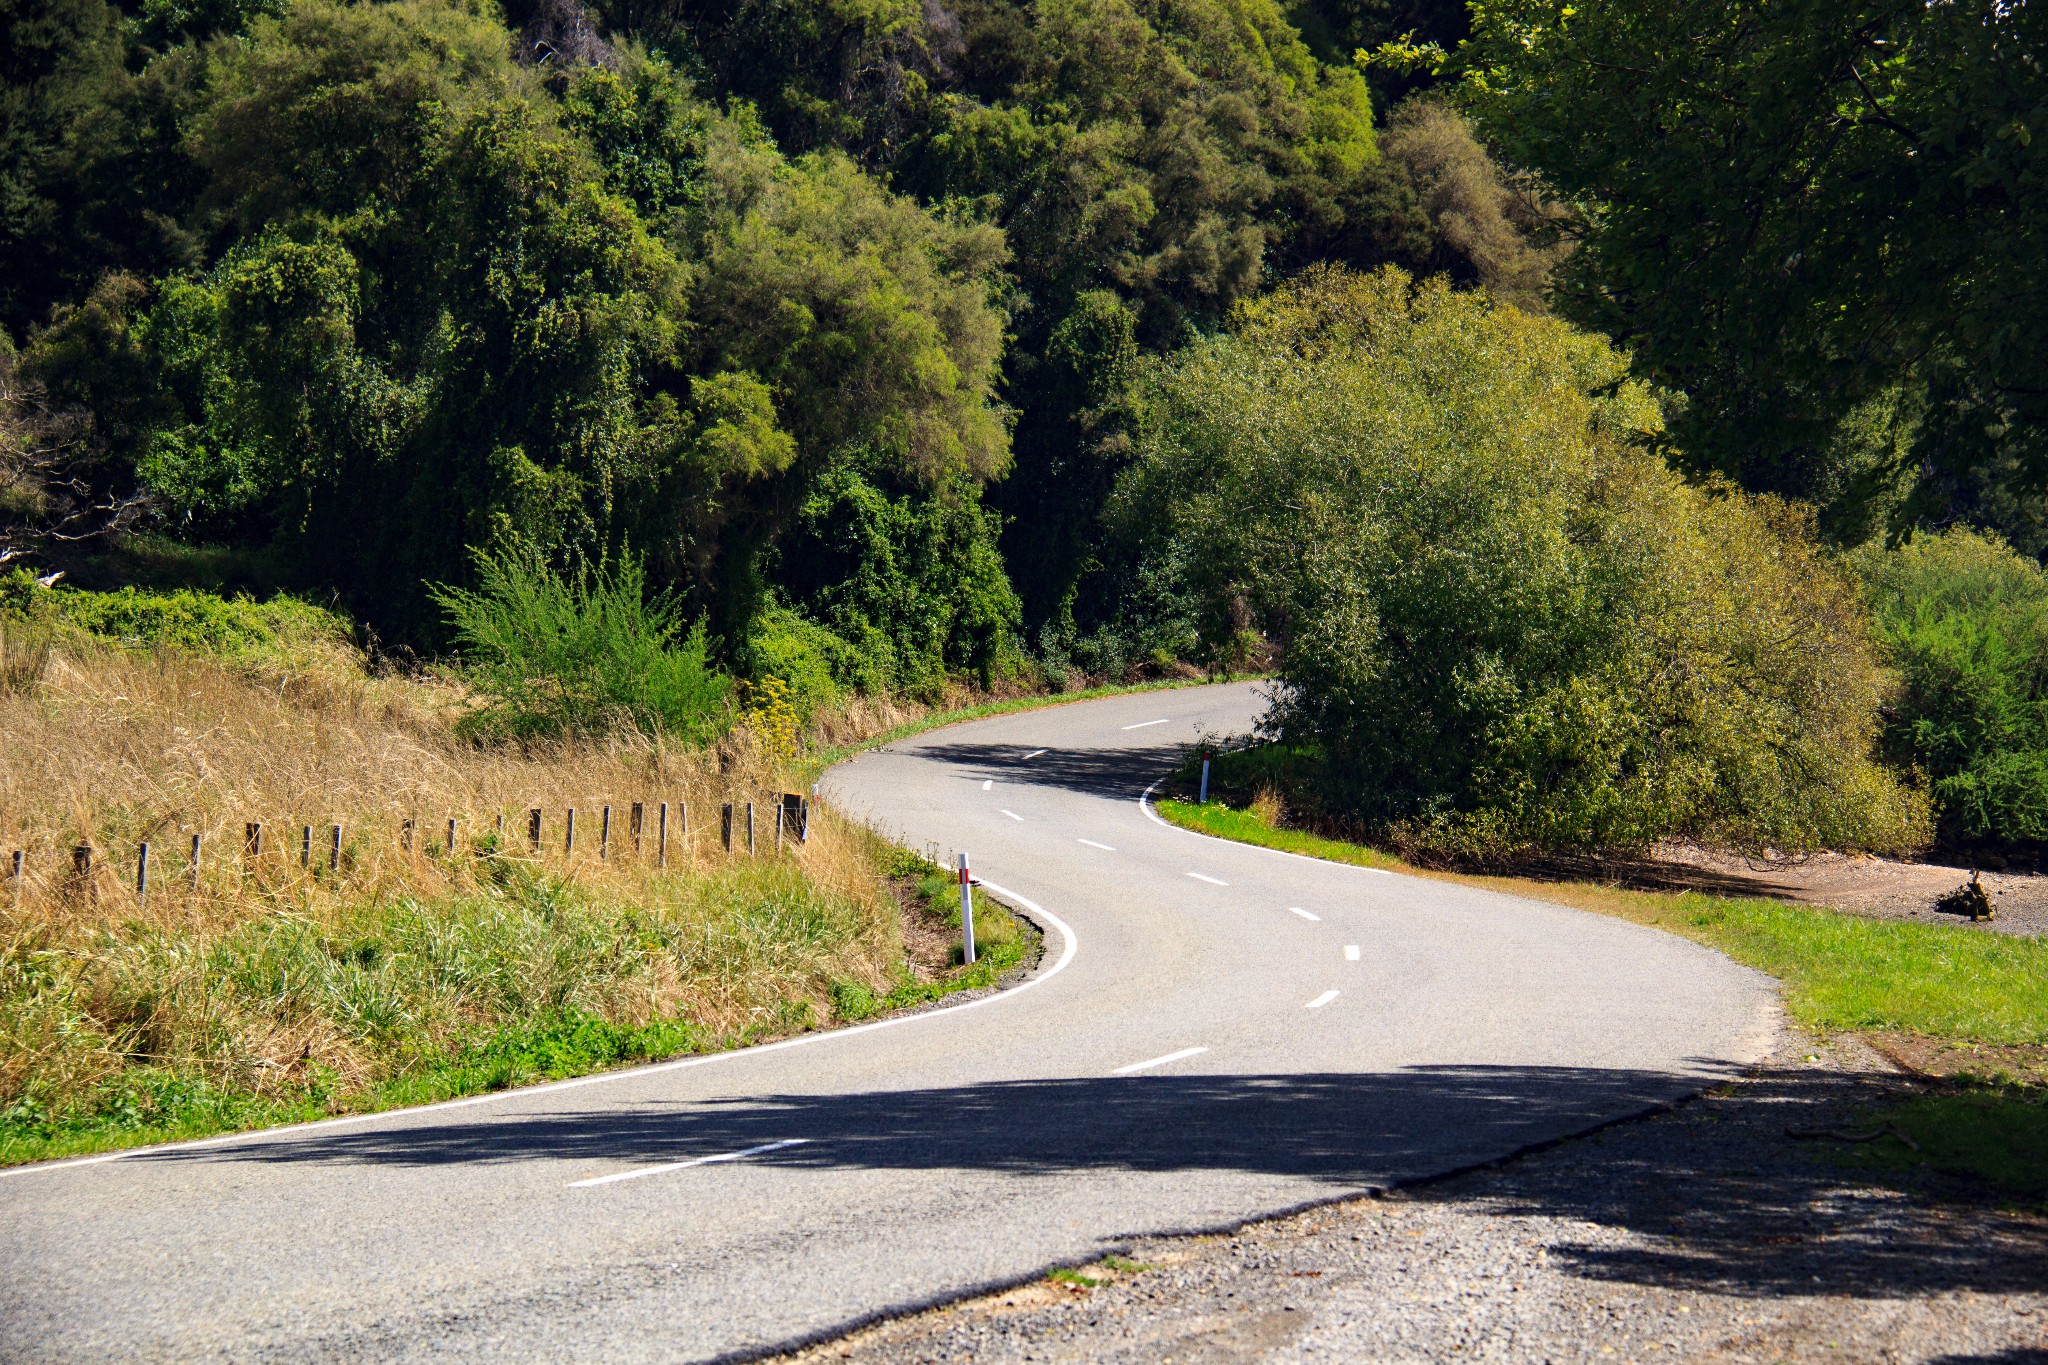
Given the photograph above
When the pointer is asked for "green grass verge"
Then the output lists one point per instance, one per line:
(143, 1035)
(1989, 1132)
(1840, 971)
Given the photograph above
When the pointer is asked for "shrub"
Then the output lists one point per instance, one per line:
(1503, 623)
(281, 631)
(1966, 621)
(582, 653)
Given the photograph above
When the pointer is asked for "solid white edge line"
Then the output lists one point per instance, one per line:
(1143, 723)
(1145, 805)
(1159, 1061)
(722, 1157)
(1014, 816)
(1325, 998)
(1092, 844)
(1297, 910)
(1205, 877)
(1035, 753)
(1351, 952)
(1070, 944)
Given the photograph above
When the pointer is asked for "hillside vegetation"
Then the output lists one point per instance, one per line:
(305, 977)
(656, 373)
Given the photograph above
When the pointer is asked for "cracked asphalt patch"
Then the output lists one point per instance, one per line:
(1702, 1234)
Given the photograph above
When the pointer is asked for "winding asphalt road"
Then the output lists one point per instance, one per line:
(1217, 1032)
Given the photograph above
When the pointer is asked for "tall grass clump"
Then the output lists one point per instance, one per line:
(582, 653)
(1966, 621)
(1504, 623)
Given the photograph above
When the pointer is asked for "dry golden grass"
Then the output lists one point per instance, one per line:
(116, 748)
(276, 974)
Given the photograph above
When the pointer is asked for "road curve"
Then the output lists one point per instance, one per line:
(1219, 1032)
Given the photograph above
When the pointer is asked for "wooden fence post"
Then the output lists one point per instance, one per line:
(636, 814)
(725, 825)
(604, 834)
(20, 857)
(451, 836)
(142, 872)
(334, 848)
(533, 830)
(194, 862)
(252, 838)
(661, 837)
(306, 848)
(750, 829)
(569, 839)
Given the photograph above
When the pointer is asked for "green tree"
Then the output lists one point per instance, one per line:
(1966, 623)
(1797, 214)
(1502, 624)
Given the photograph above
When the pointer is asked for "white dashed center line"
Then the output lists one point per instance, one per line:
(987, 782)
(1297, 910)
(1013, 815)
(684, 1165)
(1204, 877)
(1143, 723)
(1325, 998)
(1159, 1061)
(1092, 844)
(1034, 753)
(1351, 952)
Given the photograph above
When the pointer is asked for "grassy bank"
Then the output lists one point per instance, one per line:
(1842, 973)
(281, 982)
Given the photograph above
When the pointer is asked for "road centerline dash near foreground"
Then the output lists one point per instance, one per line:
(1205, 877)
(1092, 844)
(1159, 1061)
(1325, 998)
(720, 1159)
(1144, 723)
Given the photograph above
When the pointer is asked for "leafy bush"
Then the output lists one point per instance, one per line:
(555, 654)
(281, 630)
(1503, 623)
(1966, 620)
(909, 576)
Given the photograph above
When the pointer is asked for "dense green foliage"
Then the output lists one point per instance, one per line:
(1822, 220)
(842, 323)
(552, 654)
(1966, 620)
(1503, 624)
(426, 301)
(236, 628)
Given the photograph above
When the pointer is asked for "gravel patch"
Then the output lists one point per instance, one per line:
(1702, 1234)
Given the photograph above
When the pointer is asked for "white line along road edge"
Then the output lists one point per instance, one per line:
(1143, 724)
(1069, 941)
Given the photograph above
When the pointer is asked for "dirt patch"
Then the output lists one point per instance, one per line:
(928, 940)
(1944, 1059)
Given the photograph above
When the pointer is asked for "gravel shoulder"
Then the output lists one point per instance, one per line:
(1705, 1233)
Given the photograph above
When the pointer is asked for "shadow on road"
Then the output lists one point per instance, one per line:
(1736, 1206)
(1114, 772)
(1348, 1130)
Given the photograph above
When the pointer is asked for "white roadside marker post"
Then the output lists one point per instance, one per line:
(1203, 800)
(966, 912)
